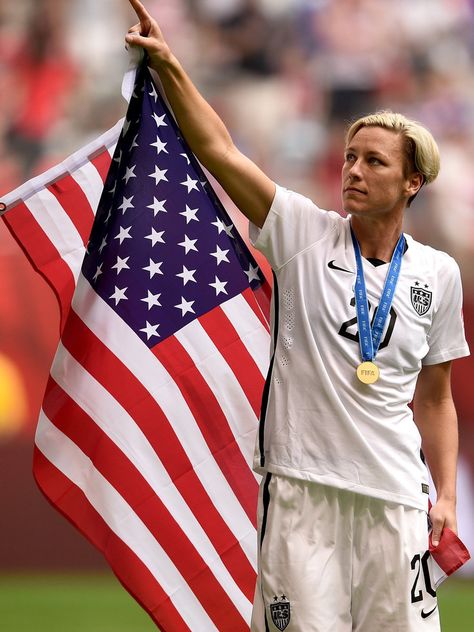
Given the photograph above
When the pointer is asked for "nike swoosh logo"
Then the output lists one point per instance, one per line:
(333, 266)
(425, 615)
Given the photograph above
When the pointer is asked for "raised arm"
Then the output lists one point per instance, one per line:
(249, 188)
(436, 419)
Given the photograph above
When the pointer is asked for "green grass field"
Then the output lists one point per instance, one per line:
(58, 603)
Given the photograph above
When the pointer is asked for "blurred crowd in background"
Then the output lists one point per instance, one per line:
(286, 76)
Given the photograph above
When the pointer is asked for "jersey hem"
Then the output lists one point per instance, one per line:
(349, 486)
(447, 356)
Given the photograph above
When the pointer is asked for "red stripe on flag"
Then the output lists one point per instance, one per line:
(109, 371)
(43, 256)
(221, 331)
(70, 500)
(75, 203)
(211, 421)
(114, 466)
(102, 163)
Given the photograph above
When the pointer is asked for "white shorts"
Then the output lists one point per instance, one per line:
(335, 561)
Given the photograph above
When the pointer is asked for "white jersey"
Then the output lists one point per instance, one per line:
(319, 422)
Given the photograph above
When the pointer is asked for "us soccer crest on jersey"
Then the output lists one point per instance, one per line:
(421, 299)
(280, 611)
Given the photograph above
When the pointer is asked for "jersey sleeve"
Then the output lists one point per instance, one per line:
(446, 337)
(293, 224)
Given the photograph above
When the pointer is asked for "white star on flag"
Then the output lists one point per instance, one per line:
(187, 275)
(160, 120)
(220, 255)
(103, 244)
(190, 214)
(154, 268)
(134, 143)
(154, 93)
(228, 229)
(98, 272)
(219, 225)
(185, 306)
(219, 286)
(252, 273)
(126, 204)
(188, 244)
(119, 295)
(122, 264)
(160, 146)
(157, 206)
(190, 184)
(152, 300)
(159, 175)
(156, 237)
(150, 330)
(124, 234)
(129, 174)
(186, 157)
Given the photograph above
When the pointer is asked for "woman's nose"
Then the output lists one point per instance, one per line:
(354, 170)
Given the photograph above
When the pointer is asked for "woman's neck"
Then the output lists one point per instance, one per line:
(377, 239)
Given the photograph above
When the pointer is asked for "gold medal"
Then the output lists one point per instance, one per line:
(368, 372)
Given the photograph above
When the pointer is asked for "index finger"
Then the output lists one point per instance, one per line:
(140, 10)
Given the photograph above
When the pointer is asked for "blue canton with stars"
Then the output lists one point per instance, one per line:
(163, 250)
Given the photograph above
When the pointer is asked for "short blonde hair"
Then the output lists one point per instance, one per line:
(421, 149)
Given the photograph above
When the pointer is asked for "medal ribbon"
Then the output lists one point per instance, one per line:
(371, 337)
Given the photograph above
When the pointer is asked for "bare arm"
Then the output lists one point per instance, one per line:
(249, 188)
(436, 419)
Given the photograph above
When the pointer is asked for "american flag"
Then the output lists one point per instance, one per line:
(147, 429)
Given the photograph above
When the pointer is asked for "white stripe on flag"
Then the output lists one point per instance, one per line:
(120, 517)
(120, 427)
(222, 382)
(255, 337)
(105, 323)
(111, 149)
(88, 178)
(59, 229)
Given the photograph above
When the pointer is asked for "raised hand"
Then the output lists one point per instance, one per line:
(250, 189)
(148, 35)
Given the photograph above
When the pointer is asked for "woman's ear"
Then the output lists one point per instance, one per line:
(415, 182)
